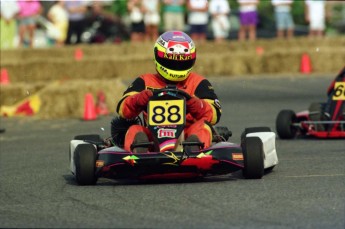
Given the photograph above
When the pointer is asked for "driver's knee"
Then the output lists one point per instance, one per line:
(202, 131)
(131, 133)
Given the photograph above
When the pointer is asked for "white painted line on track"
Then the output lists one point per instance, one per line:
(317, 175)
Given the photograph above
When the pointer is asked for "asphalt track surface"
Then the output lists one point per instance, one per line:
(306, 189)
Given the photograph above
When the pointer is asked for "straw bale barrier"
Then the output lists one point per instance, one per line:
(210, 64)
(129, 60)
(103, 67)
(130, 49)
(63, 99)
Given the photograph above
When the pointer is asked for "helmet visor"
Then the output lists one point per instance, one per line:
(178, 62)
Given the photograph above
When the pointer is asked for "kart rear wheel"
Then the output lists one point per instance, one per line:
(85, 164)
(284, 124)
(89, 137)
(253, 158)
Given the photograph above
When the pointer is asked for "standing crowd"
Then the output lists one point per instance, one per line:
(64, 21)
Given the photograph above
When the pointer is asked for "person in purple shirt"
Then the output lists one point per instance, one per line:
(248, 19)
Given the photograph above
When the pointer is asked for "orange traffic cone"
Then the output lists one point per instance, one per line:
(78, 54)
(4, 79)
(89, 108)
(259, 50)
(101, 106)
(305, 64)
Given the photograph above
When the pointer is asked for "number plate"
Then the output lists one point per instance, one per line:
(166, 112)
(339, 91)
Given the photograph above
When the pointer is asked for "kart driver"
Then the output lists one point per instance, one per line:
(334, 109)
(174, 55)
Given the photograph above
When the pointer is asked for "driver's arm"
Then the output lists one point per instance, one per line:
(206, 92)
(126, 107)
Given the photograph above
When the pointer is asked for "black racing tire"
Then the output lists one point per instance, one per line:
(268, 170)
(284, 124)
(253, 158)
(257, 129)
(89, 137)
(85, 164)
(253, 130)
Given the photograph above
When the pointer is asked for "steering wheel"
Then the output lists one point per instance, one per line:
(173, 90)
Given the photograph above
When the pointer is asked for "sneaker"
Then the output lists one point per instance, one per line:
(140, 138)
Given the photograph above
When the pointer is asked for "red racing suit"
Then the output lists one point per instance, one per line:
(194, 85)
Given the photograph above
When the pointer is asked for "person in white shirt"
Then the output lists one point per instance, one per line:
(284, 21)
(315, 15)
(136, 11)
(198, 19)
(219, 10)
(151, 19)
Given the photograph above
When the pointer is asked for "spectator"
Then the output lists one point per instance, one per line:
(58, 15)
(136, 15)
(198, 19)
(28, 11)
(151, 19)
(284, 21)
(219, 10)
(8, 23)
(248, 19)
(105, 24)
(173, 15)
(315, 16)
(76, 20)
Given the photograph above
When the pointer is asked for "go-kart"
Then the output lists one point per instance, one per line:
(321, 120)
(91, 158)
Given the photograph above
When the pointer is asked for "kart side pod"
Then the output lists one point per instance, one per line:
(269, 148)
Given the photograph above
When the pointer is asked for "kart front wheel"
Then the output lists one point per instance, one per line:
(85, 164)
(250, 130)
(284, 124)
(253, 158)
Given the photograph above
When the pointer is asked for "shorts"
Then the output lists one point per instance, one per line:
(249, 18)
(27, 21)
(138, 27)
(199, 29)
(174, 21)
(221, 27)
(152, 19)
(284, 20)
(317, 23)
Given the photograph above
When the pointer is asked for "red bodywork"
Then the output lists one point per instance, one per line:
(309, 129)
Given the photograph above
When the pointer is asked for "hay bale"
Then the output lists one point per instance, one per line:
(281, 62)
(127, 59)
(13, 93)
(63, 99)
(67, 100)
(92, 68)
(327, 60)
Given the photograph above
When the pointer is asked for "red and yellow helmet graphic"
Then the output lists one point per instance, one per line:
(175, 55)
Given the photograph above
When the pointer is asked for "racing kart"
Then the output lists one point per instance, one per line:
(321, 120)
(91, 158)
